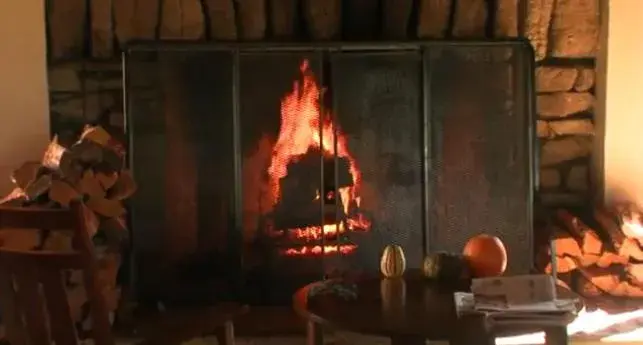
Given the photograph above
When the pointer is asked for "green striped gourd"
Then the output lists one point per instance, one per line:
(393, 262)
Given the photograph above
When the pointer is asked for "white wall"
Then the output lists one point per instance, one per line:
(24, 102)
(621, 100)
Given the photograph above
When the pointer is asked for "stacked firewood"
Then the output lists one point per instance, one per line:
(90, 170)
(601, 254)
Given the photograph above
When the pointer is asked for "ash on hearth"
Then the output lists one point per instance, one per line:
(90, 170)
(600, 253)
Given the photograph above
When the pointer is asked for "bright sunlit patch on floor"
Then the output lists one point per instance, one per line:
(586, 323)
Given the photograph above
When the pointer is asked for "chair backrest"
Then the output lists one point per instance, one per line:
(35, 308)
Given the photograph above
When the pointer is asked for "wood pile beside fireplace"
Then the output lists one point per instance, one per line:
(597, 252)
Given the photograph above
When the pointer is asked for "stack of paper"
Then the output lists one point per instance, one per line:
(520, 300)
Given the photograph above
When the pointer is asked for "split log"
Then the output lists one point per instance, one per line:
(221, 15)
(564, 264)
(323, 18)
(63, 193)
(609, 259)
(107, 180)
(610, 282)
(573, 224)
(102, 33)
(74, 173)
(433, 18)
(38, 187)
(631, 249)
(67, 22)
(124, 187)
(26, 174)
(470, 18)
(182, 19)
(396, 15)
(592, 244)
(611, 228)
(89, 186)
(567, 246)
(506, 24)
(105, 207)
(252, 19)
(360, 19)
(539, 13)
(283, 17)
(16, 197)
(135, 19)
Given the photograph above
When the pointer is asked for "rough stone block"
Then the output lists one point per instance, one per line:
(66, 28)
(64, 78)
(563, 150)
(578, 178)
(470, 18)
(252, 19)
(223, 24)
(554, 79)
(564, 199)
(323, 18)
(571, 127)
(135, 19)
(72, 107)
(506, 24)
(574, 28)
(182, 19)
(101, 28)
(543, 130)
(537, 25)
(284, 17)
(586, 79)
(562, 104)
(433, 17)
(549, 178)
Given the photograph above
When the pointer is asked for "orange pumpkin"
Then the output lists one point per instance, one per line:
(486, 255)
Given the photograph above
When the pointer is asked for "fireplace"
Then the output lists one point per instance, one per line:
(262, 168)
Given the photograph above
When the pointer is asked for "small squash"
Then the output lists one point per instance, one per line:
(445, 267)
(393, 262)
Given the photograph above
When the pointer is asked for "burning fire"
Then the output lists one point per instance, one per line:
(305, 128)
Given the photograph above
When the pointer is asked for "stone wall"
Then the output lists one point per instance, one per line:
(85, 38)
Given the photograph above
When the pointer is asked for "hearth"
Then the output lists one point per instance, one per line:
(263, 168)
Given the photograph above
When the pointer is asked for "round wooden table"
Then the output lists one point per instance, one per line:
(408, 310)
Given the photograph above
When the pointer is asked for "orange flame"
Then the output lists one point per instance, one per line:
(304, 127)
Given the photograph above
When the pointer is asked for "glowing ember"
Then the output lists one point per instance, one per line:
(304, 129)
(318, 250)
(590, 323)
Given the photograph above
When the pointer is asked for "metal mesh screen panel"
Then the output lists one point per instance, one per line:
(480, 161)
(377, 101)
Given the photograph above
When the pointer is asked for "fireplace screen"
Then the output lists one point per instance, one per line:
(270, 167)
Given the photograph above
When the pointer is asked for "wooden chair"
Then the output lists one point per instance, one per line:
(35, 308)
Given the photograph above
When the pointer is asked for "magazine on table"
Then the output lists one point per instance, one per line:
(518, 300)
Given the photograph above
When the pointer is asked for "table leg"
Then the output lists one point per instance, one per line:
(225, 334)
(556, 336)
(408, 340)
(471, 330)
(314, 334)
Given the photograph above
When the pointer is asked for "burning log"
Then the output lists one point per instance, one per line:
(606, 259)
(90, 170)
